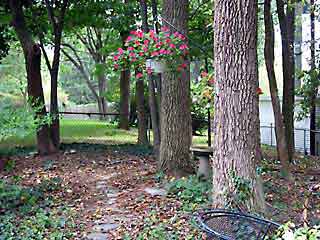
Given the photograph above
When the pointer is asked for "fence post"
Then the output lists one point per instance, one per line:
(271, 133)
(209, 128)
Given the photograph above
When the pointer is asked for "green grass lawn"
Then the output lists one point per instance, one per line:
(89, 131)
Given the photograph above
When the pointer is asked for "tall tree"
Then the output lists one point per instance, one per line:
(315, 90)
(236, 104)
(32, 54)
(282, 149)
(287, 27)
(56, 11)
(175, 113)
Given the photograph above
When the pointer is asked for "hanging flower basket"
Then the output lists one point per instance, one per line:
(152, 52)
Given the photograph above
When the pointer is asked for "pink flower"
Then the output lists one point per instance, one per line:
(120, 51)
(132, 54)
(146, 42)
(165, 29)
(168, 52)
(168, 40)
(172, 45)
(141, 54)
(130, 48)
(182, 37)
(145, 49)
(133, 32)
(152, 33)
(116, 66)
(129, 39)
(139, 34)
(134, 59)
(167, 35)
(116, 57)
(183, 47)
(162, 51)
(176, 34)
(155, 53)
(139, 75)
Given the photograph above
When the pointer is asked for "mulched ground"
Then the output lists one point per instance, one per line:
(105, 185)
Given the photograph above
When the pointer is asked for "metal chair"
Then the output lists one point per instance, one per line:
(221, 224)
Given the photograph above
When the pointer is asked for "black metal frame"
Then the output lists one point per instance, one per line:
(206, 215)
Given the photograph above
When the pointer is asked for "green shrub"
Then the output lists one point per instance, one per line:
(289, 232)
(191, 192)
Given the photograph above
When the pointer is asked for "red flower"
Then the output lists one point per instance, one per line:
(129, 39)
(162, 51)
(176, 34)
(172, 45)
(145, 49)
(183, 65)
(130, 48)
(182, 37)
(183, 47)
(141, 54)
(168, 40)
(133, 32)
(259, 91)
(146, 42)
(137, 43)
(139, 75)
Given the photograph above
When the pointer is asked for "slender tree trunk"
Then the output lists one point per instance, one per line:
(141, 113)
(176, 133)
(153, 105)
(315, 91)
(282, 149)
(236, 105)
(287, 21)
(124, 99)
(102, 100)
(35, 92)
(32, 54)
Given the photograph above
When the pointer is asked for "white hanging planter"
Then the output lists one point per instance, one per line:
(156, 66)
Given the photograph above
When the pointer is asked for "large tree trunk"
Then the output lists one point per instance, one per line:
(175, 104)
(287, 21)
(282, 149)
(32, 54)
(236, 105)
(315, 91)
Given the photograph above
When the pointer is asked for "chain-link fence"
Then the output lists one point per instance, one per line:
(301, 138)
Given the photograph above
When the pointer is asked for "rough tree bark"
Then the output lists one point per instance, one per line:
(287, 28)
(236, 105)
(315, 91)
(282, 149)
(32, 54)
(124, 94)
(175, 113)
